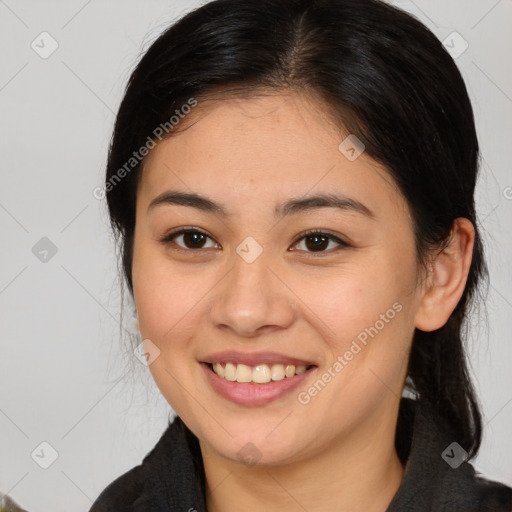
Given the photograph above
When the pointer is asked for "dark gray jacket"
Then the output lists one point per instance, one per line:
(436, 477)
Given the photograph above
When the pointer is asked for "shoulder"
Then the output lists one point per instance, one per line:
(121, 494)
(423, 439)
(146, 483)
(492, 495)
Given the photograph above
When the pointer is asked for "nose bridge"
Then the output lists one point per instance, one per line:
(251, 296)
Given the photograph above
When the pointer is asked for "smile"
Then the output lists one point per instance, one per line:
(258, 374)
(256, 386)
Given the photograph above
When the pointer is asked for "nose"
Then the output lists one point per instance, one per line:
(252, 300)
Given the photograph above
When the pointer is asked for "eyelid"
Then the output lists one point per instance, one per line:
(181, 230)
(343, 243)
(317, 231)
(168, 237)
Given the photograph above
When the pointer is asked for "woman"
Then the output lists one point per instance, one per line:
(292, 186)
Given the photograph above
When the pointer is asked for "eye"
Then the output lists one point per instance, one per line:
(317, 240)
(191, 237)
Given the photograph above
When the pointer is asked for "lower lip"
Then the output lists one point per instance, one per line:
(254, 394)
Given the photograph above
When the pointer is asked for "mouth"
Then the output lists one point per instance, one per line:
(258, 374)
(256, 385)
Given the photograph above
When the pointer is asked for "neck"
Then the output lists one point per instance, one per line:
(362, 472)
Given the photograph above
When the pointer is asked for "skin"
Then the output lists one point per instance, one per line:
(249, 155)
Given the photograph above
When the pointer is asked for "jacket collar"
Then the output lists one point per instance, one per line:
(173, 473)
(425, 445)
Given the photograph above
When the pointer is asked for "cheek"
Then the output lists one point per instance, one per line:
(365, 315)
(165, 293)
(348, 300)
(168, 303)
(365, 322)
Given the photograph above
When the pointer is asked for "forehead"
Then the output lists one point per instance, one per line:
(252, 150)
(236, 129)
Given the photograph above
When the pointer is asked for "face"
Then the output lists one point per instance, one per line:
(247, 286)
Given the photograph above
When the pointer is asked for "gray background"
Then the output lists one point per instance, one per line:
(62, 362)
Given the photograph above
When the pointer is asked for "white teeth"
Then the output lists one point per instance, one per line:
(277, 372)
(219, 369)
(260, 374)
(289, 371)
(243, 373)
(230, 372)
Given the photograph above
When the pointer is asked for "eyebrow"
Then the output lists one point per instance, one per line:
(290, 207)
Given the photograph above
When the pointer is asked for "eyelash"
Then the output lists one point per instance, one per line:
(169, 238)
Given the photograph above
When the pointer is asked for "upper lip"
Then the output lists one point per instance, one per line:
(255, 358)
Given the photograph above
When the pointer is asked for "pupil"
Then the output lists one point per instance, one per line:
(196, 237)
(319, 241)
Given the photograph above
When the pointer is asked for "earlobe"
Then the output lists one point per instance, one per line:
(447, 277)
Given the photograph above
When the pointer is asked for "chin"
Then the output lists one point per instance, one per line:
(258, 446)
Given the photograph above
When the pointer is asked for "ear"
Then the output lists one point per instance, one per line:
(447, 278)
